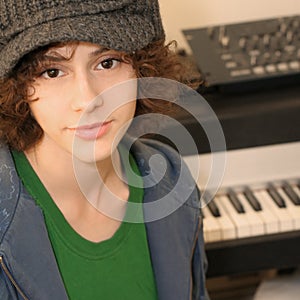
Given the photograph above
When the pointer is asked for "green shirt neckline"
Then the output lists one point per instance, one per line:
(74, 241)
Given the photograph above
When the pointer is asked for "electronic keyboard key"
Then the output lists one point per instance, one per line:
(241, 223)
(213, 208)
(252, 199)
(256, 223)
(270, 220)
(228, 227)
(278, 199)
(293, 209)
(297, 190)
(235, 201)
(211, 227)
(291, 193)
(285, 219)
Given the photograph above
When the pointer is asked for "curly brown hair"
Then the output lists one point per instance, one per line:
(20, 131)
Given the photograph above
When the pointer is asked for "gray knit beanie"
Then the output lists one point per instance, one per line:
(124, 25)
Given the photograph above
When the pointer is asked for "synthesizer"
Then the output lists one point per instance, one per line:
(249, 55)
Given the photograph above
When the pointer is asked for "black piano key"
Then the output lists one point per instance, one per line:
(276, 196)
(213, 208)
(291, 193)
(252, 199)
(211, 204)
(235, 201)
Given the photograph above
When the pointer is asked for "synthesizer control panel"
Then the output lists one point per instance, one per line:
(250, 54)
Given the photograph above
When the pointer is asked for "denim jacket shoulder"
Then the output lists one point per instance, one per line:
(28, 268)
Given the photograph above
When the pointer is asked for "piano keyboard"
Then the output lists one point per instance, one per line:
(233, 215)
(259, 194)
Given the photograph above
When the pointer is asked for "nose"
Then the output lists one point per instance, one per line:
(85, 91)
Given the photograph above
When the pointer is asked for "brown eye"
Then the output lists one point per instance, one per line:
(52, 73)
(108, 64)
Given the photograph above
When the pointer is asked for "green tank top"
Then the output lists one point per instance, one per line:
(117, 268)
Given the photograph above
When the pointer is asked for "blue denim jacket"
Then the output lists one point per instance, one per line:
(28, 268)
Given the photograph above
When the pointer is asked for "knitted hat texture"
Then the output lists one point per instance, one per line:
(124, 25)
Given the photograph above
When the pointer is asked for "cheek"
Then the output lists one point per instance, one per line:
(119, 77)
(126, 112)
(47, 101)
(131, 71)
(130, 109)
(36, 110)
(127, 72)
(45, 113)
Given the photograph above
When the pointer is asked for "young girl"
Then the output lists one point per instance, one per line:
(57, 57)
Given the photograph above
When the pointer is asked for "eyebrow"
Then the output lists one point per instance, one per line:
(57, 57)
(98, 51)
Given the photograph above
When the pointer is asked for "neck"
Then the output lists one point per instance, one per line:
(71, 182)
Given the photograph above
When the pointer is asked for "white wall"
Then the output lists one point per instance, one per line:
(186, 14)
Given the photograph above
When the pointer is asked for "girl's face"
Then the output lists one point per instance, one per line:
(74, 118)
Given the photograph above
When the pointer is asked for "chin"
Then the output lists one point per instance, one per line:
(97, 150)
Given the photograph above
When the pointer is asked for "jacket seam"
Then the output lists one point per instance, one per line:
(195, 241)
(17, 200)
(11, 279)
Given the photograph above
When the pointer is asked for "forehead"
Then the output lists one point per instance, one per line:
(66, 50)
(61, 49)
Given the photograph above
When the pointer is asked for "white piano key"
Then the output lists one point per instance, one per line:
(285, 219)
(228, 230)
(270, 220)
(211, 228)
(239, 220)
(293, 209)
(255, 221)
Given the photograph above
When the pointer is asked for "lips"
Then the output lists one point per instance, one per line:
(92, 131)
